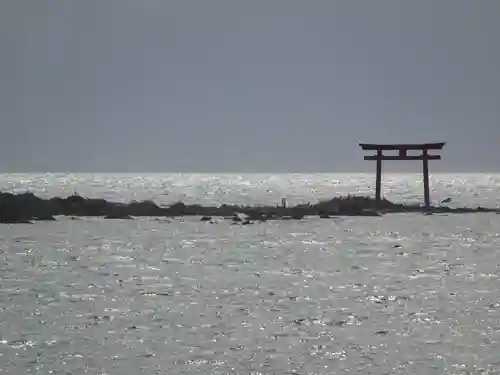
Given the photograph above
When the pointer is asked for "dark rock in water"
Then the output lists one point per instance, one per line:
(79, 206)
(94, 207)
(14, 220)
(353, 205)
(256, 216)
(298, 213)
(177, 209)
(119, 216)
(75, 199)
(19, 209)
(161, 220)
(145, 208)
(44, 218)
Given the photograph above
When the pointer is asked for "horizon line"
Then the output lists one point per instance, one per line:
(243, 173)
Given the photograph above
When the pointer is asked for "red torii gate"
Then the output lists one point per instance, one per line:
(403, 155)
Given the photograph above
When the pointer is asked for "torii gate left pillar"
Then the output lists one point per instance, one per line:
(403, 155)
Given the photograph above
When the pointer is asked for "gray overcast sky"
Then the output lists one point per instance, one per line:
(240, 85)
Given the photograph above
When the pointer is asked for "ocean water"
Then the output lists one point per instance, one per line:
(399, 294)
(464, 189)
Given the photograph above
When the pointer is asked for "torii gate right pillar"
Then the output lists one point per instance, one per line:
(402, 154)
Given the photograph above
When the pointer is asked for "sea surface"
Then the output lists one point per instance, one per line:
(398, 294)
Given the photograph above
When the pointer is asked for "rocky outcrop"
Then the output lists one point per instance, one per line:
(26, 208)
(23, 208)
(119, 216)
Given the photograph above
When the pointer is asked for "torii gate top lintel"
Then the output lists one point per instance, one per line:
(402, 146)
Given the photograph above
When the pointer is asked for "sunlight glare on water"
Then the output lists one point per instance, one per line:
(400, 294)
(464, 189)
